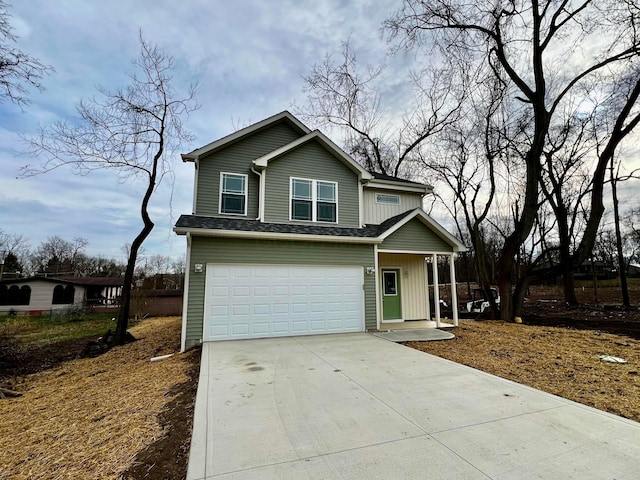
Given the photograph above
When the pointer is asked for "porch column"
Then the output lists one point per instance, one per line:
(436, 288)
(454, 289)
(426, 282)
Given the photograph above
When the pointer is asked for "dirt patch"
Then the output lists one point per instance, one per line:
(95, 417)
(166, 459)
(29, 360)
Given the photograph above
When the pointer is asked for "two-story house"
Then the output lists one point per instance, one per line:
(290, 236)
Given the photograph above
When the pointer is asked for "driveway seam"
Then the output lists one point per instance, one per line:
(412, 422)
(337, 452)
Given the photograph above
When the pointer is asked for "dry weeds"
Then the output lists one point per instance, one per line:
(88, 418)
(557, 360)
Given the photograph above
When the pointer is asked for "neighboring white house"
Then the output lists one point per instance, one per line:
(35, 295)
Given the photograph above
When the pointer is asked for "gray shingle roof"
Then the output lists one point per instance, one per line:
(381, 176)
(242, 225)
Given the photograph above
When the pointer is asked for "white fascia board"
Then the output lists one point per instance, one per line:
(203, 232)
(189, 157)
(263, 161)
(426, 253)
(432, 224)
(399, 186)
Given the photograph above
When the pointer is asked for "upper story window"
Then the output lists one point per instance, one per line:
(233, 193)
(314, 200)
(387, 199)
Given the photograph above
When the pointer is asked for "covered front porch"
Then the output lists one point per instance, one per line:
(409, 290)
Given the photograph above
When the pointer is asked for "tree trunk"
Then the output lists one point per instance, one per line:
(626, 302)
(518, 295)
(569, 289)
(123, 317)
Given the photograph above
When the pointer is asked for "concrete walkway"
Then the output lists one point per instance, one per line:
(355, 406)
(415, 335)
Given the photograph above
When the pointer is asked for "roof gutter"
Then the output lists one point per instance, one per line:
(203, 232)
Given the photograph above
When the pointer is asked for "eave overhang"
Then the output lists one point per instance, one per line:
(211, 232)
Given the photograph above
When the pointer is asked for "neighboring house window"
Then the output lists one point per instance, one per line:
(15, 295)
(63, 295)
(25, 295)
(233, 193)
(387, 199)
(314, 200)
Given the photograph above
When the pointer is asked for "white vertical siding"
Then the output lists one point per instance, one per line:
(376, 213)
(412, 283)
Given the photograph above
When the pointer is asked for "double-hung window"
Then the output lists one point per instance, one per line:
(233, 193)
(314, 200)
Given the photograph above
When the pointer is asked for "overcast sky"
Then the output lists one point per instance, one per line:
(247, 57)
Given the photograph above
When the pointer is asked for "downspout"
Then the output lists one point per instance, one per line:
(196, 163)
(260, 194)
(185, 295)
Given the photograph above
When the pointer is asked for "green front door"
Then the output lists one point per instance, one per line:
(391, 306)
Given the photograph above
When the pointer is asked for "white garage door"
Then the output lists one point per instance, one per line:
(276, 301)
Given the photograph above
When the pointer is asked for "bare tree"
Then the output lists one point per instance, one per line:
(13, 251)
(17, 69)
(342, 94)
(537, 49)
(134, 131)
(58, 256)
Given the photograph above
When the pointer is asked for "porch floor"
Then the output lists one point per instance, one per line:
(414, 324)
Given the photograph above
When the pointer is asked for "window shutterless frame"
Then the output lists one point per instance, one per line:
(313, 200)
(233, 194)
(387, 199)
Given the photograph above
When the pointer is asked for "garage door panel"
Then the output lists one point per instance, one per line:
(262, 301)
(261, 310)
(220, 310)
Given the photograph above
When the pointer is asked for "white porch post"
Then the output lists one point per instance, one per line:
(426, 290)
(436, 288)
(376, 279)
(454, 289)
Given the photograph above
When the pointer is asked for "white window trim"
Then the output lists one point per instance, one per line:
(246, 193)
(314, 200)
(388, 195)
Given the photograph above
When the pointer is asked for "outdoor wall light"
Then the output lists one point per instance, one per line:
(197, 268)
(370, 270)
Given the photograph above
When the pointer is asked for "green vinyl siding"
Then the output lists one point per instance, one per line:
(270, 252)
(415, 236)
(310, 161)
(238, 158)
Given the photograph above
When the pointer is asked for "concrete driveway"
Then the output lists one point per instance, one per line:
(355, 406)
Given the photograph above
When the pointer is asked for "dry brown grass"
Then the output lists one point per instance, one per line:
(557, 360)
(88, 418)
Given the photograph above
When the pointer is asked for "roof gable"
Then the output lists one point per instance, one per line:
(430, 223)
(318, 137)
(285, 116)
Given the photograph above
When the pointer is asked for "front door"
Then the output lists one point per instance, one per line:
(391, 306)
